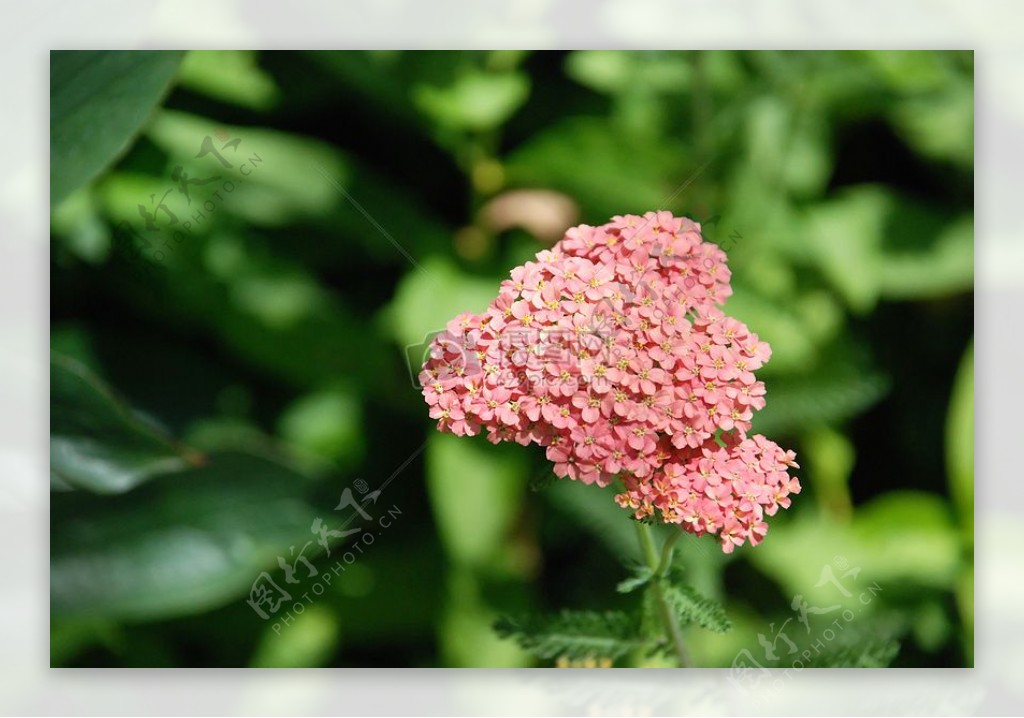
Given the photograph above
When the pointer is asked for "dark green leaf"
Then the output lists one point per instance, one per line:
(960, 441)
(96, 442)
(181, 544)
(98, 102)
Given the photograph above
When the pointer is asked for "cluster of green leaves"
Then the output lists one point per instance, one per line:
(573, 635)
(143, 528)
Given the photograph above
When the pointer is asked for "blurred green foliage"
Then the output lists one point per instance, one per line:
(219, 380)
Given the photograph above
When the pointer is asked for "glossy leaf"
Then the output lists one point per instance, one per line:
(181, 544)
(96, 441)
(99, 100)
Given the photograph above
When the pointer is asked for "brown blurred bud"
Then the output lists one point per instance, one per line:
(488, 176)
(471, 243)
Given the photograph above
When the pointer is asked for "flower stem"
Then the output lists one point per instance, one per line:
(660, 566)
(647, 545)
(666, 554)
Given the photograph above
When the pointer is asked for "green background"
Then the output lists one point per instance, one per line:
(215, 388)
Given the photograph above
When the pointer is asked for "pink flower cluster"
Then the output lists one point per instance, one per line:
(610, 351)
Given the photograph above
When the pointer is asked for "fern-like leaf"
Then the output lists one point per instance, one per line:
(690, 607)
(573, 634)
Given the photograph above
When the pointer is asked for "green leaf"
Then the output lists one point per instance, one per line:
(691, 607)
(831, 457)
(909, 71)
(308, 641)
(181, 544)
(77, 224)
(466, 627)
(96, 442)
(960, 442)
(845, 237)
(71, 638)
(618, 73)
(788, 145)
(841, 386)
(871, 243)
(475, 490)
(912, 533)
(940, 125)
(420, 307)
(605, 171)
(605, 71)
(641, 576)
(476, 101)
(779, 324)
(325, 424)
(231, 76)
(900, 538)
(964, 590)
(99, 101)
(285, 175)
(944, 267)
(573, 634)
